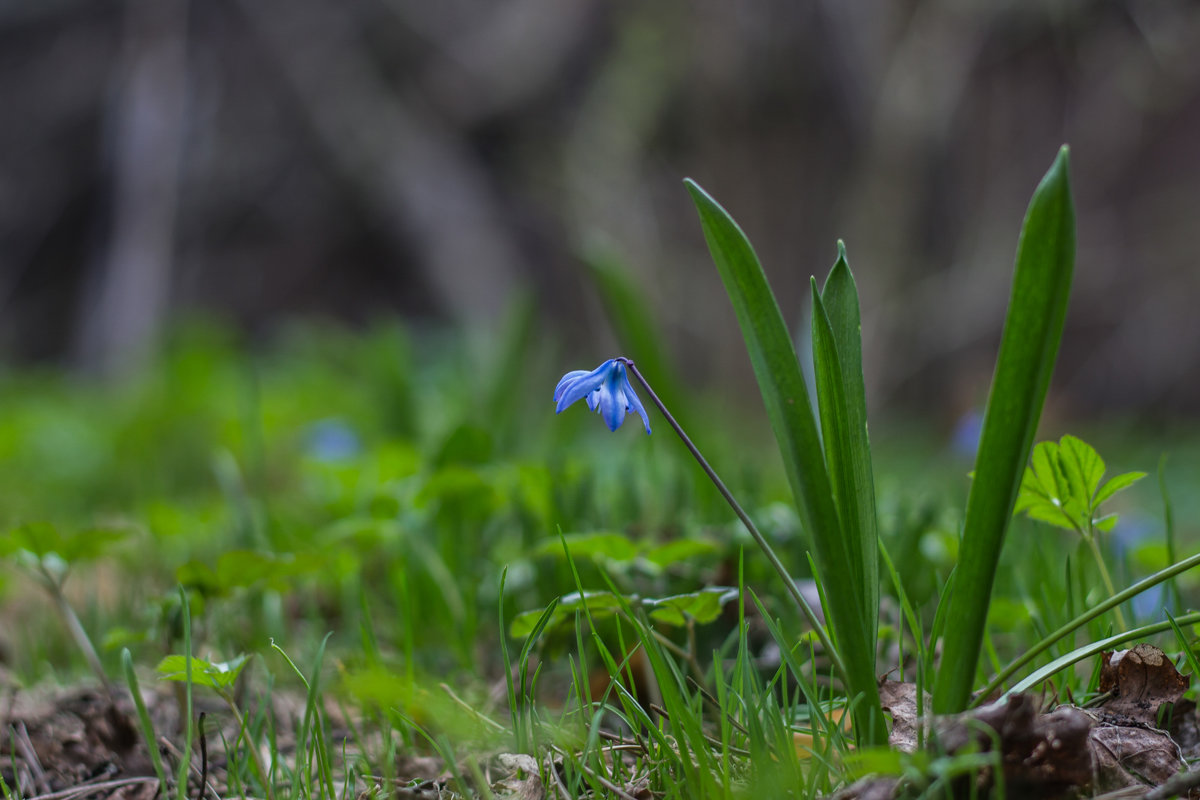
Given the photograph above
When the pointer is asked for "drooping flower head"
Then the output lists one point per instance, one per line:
(607, 390)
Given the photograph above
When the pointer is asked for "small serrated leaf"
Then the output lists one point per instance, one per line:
(1052, 514)
(221, 675)
(1086, 462)
(1074, 485)
(1116, 484)
(1031, 493)
(1047, 471)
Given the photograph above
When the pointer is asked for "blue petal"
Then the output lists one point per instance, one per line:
(580, 385)
(634, 404)
(566, 379)
(612, 398)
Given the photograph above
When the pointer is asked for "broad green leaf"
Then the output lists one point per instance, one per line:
(43, 539)
(1028, 349)
(221, 675)
(1116, 484)
(682, 551)
(1106, 523)
(600, 544)
(39, 538)
(789, 410)
(599, 604)
(703, 606)
(199, 576)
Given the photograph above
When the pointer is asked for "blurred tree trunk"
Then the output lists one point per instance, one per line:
(410, 168)
(132, 286)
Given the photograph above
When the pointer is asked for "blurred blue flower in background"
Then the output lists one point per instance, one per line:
(331, 439)
(607, 390)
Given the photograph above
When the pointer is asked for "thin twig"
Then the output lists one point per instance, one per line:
(25, 746)
(74, 627)
(600, 779)
(558, 782)
(1176, 785)
(712, 740)
(86, 789)
(203, 756)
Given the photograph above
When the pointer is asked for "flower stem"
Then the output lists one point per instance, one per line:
(759, 539)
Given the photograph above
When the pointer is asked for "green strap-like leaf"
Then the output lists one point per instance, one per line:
(840, 298)
(1032, 331)
(788, 407)
(840, 456)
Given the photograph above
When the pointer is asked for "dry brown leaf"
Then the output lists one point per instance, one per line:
(1142, 680)
(1185, 729)
(523, 781)
(1128, 756)
(868, 789)
(900, 700)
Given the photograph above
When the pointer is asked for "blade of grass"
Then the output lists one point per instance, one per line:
(1188, 653)
(1047, 641)
(1032, 331)
(789, 409)
(310, 726)
(185, 763)
(144, 718)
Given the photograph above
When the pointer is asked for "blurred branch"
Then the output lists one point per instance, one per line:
(417, 174)
(509, 54)
(134, 281)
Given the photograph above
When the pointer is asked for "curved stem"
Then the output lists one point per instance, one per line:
(74, 626)
(1092, 649)
(1083, 619)
(755, 534)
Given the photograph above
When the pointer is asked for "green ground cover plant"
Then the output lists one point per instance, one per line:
(492, 601)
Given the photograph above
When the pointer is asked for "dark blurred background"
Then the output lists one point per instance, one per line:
(260, 160)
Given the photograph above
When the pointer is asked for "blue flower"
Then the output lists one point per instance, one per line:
(607, 390)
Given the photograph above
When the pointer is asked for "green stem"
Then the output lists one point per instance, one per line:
(251, 746)
(1104, 576)
(74, 626)
(759, 539)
